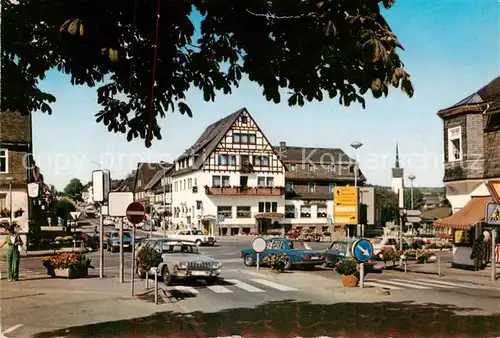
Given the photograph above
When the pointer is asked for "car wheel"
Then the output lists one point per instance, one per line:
(211, 280)
(167, 277)
(248, 260)
(198, 242)
(288, 264)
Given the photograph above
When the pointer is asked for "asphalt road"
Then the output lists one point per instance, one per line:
(252, 303)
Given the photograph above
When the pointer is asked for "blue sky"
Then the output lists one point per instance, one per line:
(452, 49)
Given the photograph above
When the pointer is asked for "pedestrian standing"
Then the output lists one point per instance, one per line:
(14, 244)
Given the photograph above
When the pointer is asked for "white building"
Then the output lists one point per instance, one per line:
(231, 180)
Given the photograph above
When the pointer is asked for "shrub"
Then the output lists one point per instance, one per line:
(346, 267)
(327, 234)
(148, 258)
(276, 262)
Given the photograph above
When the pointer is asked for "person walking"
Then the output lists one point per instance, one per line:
(14, 244)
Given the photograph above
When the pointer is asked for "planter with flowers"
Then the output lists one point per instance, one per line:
(389, 254)
(67, 265)
(277, 262)
(348, 271)
(4, 213)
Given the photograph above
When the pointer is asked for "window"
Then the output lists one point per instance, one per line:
(231, 160)
(139, 183)
(244, 120)
(261, 181)
(454, 144)
(305, 211)
(292, 167)
(251, 138)
(268, 206)
(236, 138)
(351, 169)
(243, 212)
(225, 181)
(331, 187)
(331, 168)
(289, 211)
(245, 159)
(310, 187)
(176, 187)
(262, 161)
(226, 211)
(321, 213)
(190, 183)
(223, 158)
(311, 167)
(289, 187)
(216, 181)
(270, 181)
(4, 168)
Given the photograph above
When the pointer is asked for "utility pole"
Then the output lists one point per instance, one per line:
(411, 178)
(356, 146)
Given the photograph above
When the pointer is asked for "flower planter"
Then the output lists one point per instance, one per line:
(78, 272)
(349, 281)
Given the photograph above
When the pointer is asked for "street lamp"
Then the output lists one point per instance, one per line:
(10, 179)
(356, 145)
(411, 178)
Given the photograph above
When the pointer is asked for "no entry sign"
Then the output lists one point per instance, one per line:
(136, 212)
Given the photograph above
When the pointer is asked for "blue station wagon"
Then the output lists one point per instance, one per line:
(298, 252)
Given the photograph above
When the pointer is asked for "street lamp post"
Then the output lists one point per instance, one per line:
(356, 146)
(411, 178)
(164, 183)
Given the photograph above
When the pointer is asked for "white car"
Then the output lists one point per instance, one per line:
(196, 236)
(108, 221)
(388, 241)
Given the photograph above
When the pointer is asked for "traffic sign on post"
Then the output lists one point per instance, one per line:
(494, 188)
(259, 245)
(493, 214)
(345, 205)
(362, 250)
(135, 212)
(75, 215)
(413, 212)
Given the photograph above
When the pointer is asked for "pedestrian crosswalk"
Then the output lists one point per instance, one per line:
(417, 284)
(231, 286)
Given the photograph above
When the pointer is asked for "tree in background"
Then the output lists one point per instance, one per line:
(74, 189)
(387, 204)
(418, 198)
(145, 55)
(61, 210)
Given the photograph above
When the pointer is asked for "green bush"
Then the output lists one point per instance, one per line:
(148, 258)
(346, 267)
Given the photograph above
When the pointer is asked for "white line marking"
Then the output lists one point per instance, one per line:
(380, 285)
(244, 286)
(135, 213)
(13, 328)
(407, 285)
(448, 283)
(185, 289)
(274, 285)
(231, 260)
(219, 289)
(425, 284)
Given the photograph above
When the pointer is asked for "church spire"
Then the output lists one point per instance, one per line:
(397, 157)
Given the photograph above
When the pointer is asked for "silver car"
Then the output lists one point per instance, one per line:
(183, 261)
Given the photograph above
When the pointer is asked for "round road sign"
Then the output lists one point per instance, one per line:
(362, 250)
(259, 244)
(136, 212)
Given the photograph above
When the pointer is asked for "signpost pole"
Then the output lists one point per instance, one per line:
(493, 254)
(121, 251)
(101, 246)
(132, 268)
(258, 261)
(362, 275)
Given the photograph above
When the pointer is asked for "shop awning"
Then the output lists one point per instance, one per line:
(473, 212)
(270, 215)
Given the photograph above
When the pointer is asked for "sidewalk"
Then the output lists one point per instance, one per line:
(481, 277)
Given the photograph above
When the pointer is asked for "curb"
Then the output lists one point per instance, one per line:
(453, 277)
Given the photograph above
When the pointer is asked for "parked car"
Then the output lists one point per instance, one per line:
(299, 253)
(108, 221)
(342, 249)
(196, 236)
(113, 241)
(183, 261)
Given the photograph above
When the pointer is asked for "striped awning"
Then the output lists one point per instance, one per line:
(473, 212)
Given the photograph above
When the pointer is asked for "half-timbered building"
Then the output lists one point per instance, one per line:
(231, 180)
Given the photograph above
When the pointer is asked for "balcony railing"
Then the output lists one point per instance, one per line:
(247, 191)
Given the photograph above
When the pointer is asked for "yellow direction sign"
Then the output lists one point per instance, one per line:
(345, 205)
(494, 187)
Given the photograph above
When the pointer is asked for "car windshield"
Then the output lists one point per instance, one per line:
(299, 245)
(180, 248)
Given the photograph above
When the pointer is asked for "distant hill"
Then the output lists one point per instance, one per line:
(425, 190)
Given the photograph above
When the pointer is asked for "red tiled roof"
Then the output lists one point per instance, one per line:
(474, 211)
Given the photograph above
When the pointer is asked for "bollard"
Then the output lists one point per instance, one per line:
(405, 262)
(439, 265)
(156, 286)
(147, 280)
